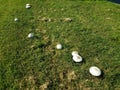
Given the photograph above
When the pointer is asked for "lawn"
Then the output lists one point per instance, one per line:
(35, 64)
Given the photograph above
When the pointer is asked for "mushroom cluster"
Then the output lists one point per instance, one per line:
(93, 70)
(76, 57)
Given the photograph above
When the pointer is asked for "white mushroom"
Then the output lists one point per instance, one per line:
(15, 19)
(30, 35)
(28, 6)
(59, 46)
(74, 53)
(77, 58)
(95, 71)
(67, 19)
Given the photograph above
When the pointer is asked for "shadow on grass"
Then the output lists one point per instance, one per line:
(79, 64)
(115, 1)
(102, 76)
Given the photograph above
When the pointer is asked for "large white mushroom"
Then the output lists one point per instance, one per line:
(59, 46)
(95, 71)
(77, 58)
(30, 35)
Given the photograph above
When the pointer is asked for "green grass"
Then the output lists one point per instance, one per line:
(35, 63)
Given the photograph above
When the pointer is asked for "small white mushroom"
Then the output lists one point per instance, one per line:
(30, 35)
(74, 53)
(77, 58)
(28, 6)
(44, 19)
(67, 19)
(59, 46)
(95, 71)
(15, 19)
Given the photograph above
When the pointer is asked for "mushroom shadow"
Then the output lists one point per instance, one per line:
(102, 76)
(83, 60)
(80, 63)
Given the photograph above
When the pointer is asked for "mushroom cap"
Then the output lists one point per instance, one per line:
(77, 58)
(30, 35)
(28, 6)
(59, 46)
(67, 19)
(74, 53)
(95, 71)
(15, 19)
